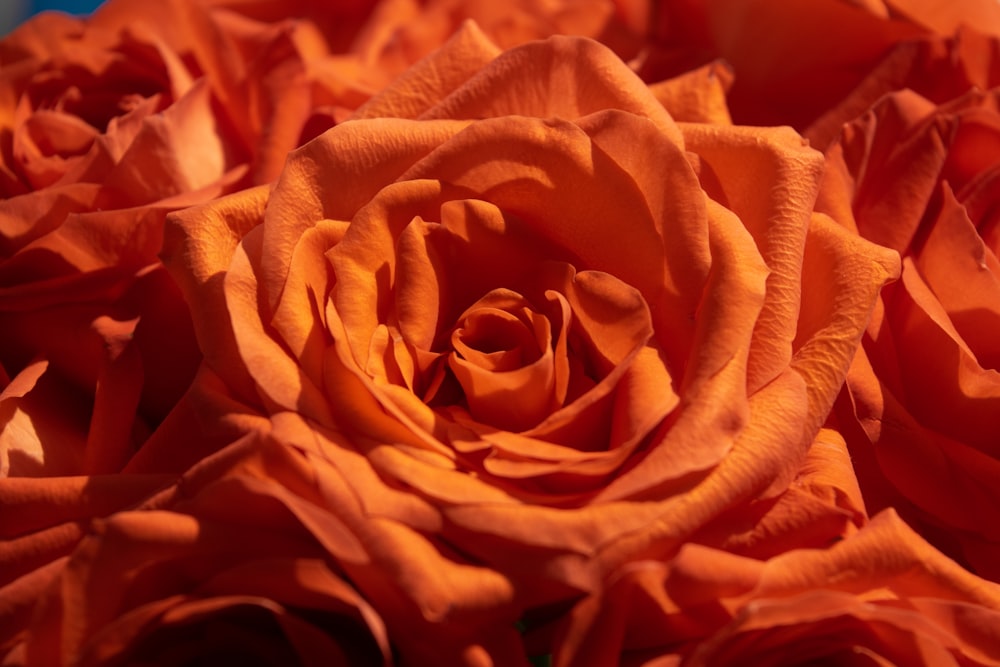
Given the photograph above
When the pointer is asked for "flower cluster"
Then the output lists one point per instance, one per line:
(443, 332)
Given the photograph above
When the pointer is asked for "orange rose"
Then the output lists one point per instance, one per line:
(936, 67)
(412, 29)
(923, 409)
(392, 34)
(531, 322)
(881, 597)
(110, 123)
(352, 50)
(794, 61)
(106, 125)
(142, 109)
(42, 522)
(221, 563)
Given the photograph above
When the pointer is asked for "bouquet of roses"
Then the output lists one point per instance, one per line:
(553, 332)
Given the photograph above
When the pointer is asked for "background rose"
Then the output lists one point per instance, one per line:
(542, 349)
(105, 125)
(883, 596)
(392, 34)
(42, 522)
(795, 61)
(922, 412)
(938, 68)
(229, 561)
(349, 50)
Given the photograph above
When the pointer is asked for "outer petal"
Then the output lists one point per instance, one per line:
(561, 77)
(698, 96)
(284, 580)
(432, 79)
(198, 259)
(830, 326)
(822, 505)
(883, 592)
(778, 219)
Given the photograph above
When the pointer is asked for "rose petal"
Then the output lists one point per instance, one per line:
(822, 506)
(945, 18)
(777, 218)
(965, 277)
(346, 156)
(836, 264)
(949, 384)
(714, 408)
(881, 592)
(198, 247)
(278, 380)
(44, 426)
(27, 217)
(939, 68)
(560, 78)
(49, 143)
(153, 167)
(698, 96)
(299, 317)
(789, 59)
(432, 79)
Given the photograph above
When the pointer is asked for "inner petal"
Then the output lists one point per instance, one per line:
(496, 340)
(59, 134)
(503, 359)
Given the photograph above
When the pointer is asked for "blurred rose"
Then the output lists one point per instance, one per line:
(353, 49)
(923, 411)
(105, 126)
(226, 563)
(527, 315)
(794, 61)
(936, 67)
(42, 522)
(392, 34)
(881, 597)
